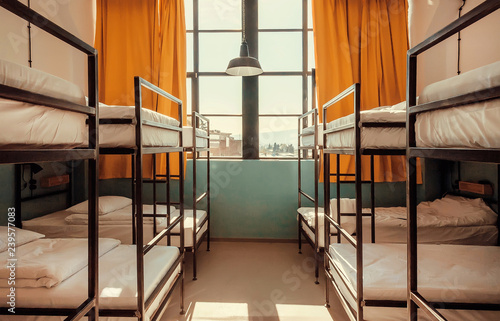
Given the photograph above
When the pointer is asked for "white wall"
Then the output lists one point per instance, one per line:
(480, 44)
(48, 53)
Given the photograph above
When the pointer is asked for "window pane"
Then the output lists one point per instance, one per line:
(220, 95)
(311, 63)
(280, 51)
(217, 49)
(278, 136)
(189, 52)
(220, 14)
(280, 14)
(188, 10)
(225, 136)
(280, 95)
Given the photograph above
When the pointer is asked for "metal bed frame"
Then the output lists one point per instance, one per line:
(199, 121)
(315, 149)
(90, 307)
(137, 152)
(415, 299)
(357, 151)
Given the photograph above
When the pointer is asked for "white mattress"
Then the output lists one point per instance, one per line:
(309, 140)
(54, 226)
(451, 220)
(117, 283)
(187, 137)
(446, 273)
(123, 135)
(471, 126)
(34, 126)
(378, 137)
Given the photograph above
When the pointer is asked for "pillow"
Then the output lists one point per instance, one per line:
(107, 204)
(21, 237)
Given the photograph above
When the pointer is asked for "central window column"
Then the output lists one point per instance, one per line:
(250, 86)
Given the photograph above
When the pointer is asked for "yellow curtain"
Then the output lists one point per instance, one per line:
(140, 38)
(362, 41)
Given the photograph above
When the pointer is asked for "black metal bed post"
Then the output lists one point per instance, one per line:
(326, 210)
(359, 210)
(167, 190)
(181, 207)
(208, 185)
(316, 208)
(299, 220)
(17, 201)
(411, 185)
(195, 121)
(372, 198)
(93, 189)
(139, 188)
(339, 216)
(134, 204)
(155, 231)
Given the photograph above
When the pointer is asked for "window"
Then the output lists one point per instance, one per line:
(286, 54)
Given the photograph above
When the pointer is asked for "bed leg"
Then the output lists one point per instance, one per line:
(316, 272)
(300, 238)
(327, 294)
(194, 264)
(182, 285)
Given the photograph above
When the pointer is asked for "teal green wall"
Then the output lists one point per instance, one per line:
(256, 198)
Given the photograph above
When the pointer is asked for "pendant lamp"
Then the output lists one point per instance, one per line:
(244, 65)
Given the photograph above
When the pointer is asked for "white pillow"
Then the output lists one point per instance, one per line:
(107, 204)
(21, 237)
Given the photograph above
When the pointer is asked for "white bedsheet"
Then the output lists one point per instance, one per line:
(117, 283)
(48, 262)
(123, 135)
(122, 216)
(33, 126)
(37, 81)
(471, 126)
(449, 280)
(54, 225)
(379, 137)
(187, 137)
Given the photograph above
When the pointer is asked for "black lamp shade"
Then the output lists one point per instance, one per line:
(244, 65)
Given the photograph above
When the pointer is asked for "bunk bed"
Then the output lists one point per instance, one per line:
(469, 102)
(135, 281)
(308, 217)
(26, 92)
(197, 140)
(376, 281)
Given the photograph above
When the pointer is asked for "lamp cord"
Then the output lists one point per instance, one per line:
(243, 20)
(459, 38)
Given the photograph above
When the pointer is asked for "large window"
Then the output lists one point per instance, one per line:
(285, 51)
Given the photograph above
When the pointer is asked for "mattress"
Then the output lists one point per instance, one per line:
(55, 226)
(123, 135)
(309, 140)
(470, 126)
(28, 126)
(117, 283)
(378, 137)
(446, 273)
(187, 137)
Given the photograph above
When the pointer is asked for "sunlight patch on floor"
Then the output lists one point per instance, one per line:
(300, 312)
(210, 311)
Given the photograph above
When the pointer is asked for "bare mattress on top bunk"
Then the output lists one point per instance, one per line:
(470, 126)
(446, 274)
(187, 137)
(371, 137)
(116, 224)
(117, 281)
(25, 125)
